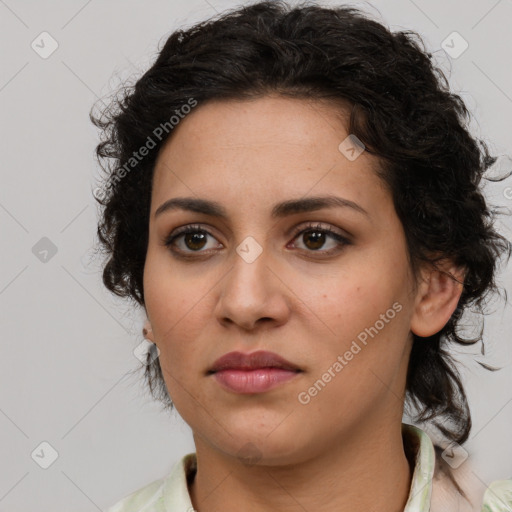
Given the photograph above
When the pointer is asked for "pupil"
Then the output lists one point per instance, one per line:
(195, 236)
(317, 238)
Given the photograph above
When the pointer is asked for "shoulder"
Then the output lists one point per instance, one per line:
(448, 480)
(163, 495)
(149, 494)
(497, 497)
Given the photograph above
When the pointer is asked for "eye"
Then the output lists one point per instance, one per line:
(192, 237)
(314, 237)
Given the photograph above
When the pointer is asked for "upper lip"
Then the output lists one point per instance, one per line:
(244, 361)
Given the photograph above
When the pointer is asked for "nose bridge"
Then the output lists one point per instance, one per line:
(251, 290)
(249, 276)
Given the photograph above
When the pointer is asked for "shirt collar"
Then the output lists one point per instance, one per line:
(421, 483)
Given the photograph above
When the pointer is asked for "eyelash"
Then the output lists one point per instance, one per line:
(194, 228)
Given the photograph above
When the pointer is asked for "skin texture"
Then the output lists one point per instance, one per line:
(327, 454)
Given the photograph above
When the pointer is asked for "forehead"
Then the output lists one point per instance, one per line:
(268, 120)
(266, 146)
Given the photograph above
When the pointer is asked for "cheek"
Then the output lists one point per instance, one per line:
(366, 304)
(166, 292)
(177, 309)
(353, 299)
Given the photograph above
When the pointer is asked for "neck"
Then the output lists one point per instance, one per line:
(367, 470)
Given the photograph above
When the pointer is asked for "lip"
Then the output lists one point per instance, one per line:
(253, 381)
(255, 360)
(256, 372)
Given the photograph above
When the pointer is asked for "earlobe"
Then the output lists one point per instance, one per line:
(147, 331)
(437, 298)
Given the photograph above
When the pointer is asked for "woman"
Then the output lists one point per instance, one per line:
(293, 197)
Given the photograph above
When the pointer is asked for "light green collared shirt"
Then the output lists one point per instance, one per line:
(171, 494)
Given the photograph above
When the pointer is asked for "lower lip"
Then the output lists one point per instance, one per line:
(253, 381)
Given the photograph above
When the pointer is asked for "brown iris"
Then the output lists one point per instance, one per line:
(195, 238)
(317, 237)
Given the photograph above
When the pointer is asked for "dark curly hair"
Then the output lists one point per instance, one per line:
(401, 108)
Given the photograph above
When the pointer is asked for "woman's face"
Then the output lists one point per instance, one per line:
(338, 310)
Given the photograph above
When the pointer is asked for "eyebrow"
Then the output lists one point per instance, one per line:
(279, 210)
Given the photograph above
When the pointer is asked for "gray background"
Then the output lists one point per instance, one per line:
(68, 372)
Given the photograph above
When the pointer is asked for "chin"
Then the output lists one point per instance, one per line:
(278, 449)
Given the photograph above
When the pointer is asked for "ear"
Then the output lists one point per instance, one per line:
(147, 331)
(437, 297)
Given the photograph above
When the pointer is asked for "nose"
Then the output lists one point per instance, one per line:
(253, 294)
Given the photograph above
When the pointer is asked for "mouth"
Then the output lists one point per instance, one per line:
(252, 373)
